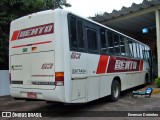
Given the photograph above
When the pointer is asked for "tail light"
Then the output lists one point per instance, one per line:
(59, 78)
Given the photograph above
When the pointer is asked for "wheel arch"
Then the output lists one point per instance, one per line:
(117, 78)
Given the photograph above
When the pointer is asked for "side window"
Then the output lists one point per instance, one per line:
(73, 33)
(116, 44)
(110, 42)
(92, 40)
(134, 50)
(126, 46)
(138, 55)
(147, 52)
(76, 34)
(80, 34)
(141, 49)
(122, 45)
(144, 53)
(103, 41)
(130, 47)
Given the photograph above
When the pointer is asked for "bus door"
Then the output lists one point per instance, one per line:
(91, 35)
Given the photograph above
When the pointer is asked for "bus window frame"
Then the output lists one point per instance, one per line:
(121, 36)
(101, 52)
(109, 53)
(138, 50)
(116, 54)
(88, 50)
(96, 28)
(77, 39)
(130, 53)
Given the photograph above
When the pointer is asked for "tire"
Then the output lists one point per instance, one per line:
(115, 91)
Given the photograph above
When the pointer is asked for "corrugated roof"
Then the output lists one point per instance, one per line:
(126, 10)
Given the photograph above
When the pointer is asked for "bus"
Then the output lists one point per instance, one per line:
(56, 55)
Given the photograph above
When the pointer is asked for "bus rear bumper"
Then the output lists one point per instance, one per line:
(40, 94)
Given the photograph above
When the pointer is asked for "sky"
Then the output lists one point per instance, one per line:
(88, 8)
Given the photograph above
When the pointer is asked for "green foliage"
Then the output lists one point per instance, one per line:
(157, 81)
(13, 9)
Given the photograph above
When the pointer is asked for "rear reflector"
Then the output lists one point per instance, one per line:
(34, 49)
(59, 78)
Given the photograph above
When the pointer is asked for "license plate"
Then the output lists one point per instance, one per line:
(32, 95)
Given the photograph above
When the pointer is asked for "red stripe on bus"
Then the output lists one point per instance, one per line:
(141, 65)
(41, 43)
(120, 64)
(31, 44)
(103, 60)
(15, 35)
(20, 46)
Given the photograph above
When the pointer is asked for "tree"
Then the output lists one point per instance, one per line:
(13, 9)
(56, 4)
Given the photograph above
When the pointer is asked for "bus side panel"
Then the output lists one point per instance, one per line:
(129, 80)
(137, 79)
(105, 85)
(93, 85)
(93, 81)
(79, 90)
(123, 78)
(79, 75)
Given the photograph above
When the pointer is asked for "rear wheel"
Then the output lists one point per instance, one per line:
(115, 91)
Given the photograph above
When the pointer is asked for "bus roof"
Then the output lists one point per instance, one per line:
(70, 12)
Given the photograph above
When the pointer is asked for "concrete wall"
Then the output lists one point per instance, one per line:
(4, 83)
(158, 38)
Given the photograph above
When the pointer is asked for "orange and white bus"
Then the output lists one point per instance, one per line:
(56, 55)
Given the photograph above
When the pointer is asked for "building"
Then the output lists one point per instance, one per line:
(140, 21)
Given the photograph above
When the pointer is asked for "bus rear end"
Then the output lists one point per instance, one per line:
(32, 58)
